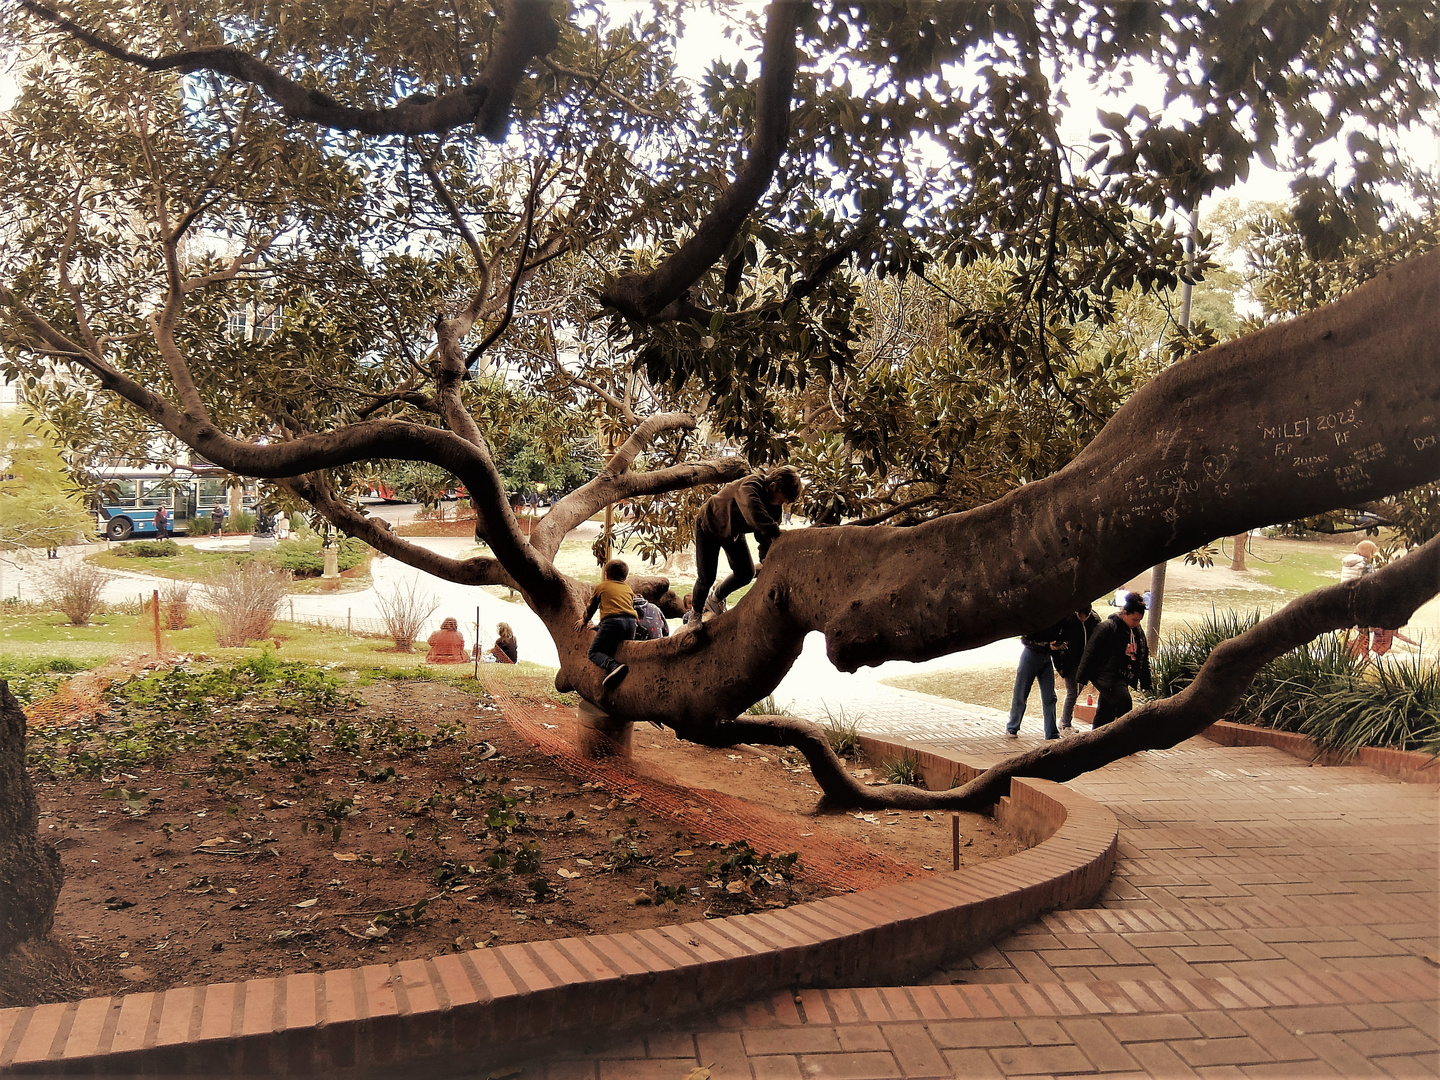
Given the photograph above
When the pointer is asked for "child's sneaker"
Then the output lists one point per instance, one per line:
(615, 676)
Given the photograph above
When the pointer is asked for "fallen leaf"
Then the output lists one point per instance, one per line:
(583, 862)
(866, 817)
(308, 903)
(346, 856)
(736, 887)
(686, 852)
(373, 931)
(697, 1073)
(567, 873)
(214, 841)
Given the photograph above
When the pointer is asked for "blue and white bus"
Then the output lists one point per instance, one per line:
(128, 498)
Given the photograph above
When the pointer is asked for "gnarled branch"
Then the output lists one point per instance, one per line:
(643, 297)
(527, 30)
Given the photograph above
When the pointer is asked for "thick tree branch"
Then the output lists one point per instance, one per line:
(643, 297)
(315, 489)
(527, 31)
(605, 489)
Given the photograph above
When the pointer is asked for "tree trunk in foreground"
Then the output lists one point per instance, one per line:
(30, 875)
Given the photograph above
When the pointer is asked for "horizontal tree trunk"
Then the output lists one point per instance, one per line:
(1332, 408)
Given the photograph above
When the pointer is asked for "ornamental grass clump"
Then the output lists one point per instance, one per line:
(404, 610)
(1322, 690)
(244, 601)
(75, 589)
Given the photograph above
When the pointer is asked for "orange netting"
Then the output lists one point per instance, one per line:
(826, 857)
(74, 700)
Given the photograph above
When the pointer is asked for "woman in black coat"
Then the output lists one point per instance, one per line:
(1116, 659)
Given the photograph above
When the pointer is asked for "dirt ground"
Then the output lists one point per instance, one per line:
(421, 823)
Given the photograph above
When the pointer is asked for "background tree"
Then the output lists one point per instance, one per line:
(39, 506)
(419, 194)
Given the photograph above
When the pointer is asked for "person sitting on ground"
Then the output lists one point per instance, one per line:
(750, 504)
(506, 649)
(1078, 629)
(1116, 659)
(447, 645)
(616, 604)
(1036, 662)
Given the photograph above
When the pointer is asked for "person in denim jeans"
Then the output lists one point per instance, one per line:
(616, 604)
(1036, 662)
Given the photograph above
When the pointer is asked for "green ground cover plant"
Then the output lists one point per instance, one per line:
(1322, 690)
(147, 549)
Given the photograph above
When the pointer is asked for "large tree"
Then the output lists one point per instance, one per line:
(421, 192)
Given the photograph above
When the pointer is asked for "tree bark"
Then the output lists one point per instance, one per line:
(30, 874)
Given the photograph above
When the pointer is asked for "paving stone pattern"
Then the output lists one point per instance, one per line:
(1266, 919)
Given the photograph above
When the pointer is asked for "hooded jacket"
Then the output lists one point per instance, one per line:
(1116, 656)
(738, 508)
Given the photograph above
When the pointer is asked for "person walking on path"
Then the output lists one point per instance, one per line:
(162, 522)
(616, 603)
(217, 517)
(1077, 631)
(750, 504)
(1036, 663)
(1116, 659)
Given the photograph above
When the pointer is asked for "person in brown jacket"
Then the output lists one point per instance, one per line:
(750, 504)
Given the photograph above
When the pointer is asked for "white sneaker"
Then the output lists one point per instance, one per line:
(714, 605)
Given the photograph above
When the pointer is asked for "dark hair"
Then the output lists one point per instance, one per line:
(1134, 602)
(786, 480)
(616, 570)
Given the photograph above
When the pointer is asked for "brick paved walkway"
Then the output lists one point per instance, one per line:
(1266, 918)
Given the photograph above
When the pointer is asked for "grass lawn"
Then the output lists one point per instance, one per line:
(203, 567)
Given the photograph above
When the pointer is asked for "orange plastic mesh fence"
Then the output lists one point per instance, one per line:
(825, 857)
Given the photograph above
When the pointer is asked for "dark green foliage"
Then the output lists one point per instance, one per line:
(1321, 690)
(306, 558)
(147, 549)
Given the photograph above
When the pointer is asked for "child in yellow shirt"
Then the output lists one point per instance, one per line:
(616, 603)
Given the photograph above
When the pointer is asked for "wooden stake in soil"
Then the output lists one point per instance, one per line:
(955, 840)
(156, 602)
(477, 643)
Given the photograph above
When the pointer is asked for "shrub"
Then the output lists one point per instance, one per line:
(767, 706)
(244, 601)
(75, 589)
(175, 601)
(404, 610)
(148, 549)
(305, 558)
(242, 522)
(843, 733)
(199, 526)
(902, 770)
(1322, 689)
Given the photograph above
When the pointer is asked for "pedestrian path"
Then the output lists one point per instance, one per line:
(1265, 918)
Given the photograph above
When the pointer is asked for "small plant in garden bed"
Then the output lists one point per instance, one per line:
(902, 770)
(843, 733)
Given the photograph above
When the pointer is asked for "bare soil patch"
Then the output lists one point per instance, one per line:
(271, 824)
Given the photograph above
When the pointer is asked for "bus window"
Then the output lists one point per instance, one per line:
(157, 493)
(211, 491)
(120, 492)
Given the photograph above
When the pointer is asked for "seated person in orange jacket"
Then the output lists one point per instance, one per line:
(447, 645)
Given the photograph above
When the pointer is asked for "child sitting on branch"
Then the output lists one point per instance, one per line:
(616, 603)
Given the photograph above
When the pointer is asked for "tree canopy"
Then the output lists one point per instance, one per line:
(39, 507)
(299, 239)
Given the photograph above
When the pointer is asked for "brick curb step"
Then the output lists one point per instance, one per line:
(1409, 765)
(486, 1007)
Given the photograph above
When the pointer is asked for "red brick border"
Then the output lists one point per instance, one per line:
(1409, 765)
(489, 1006)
